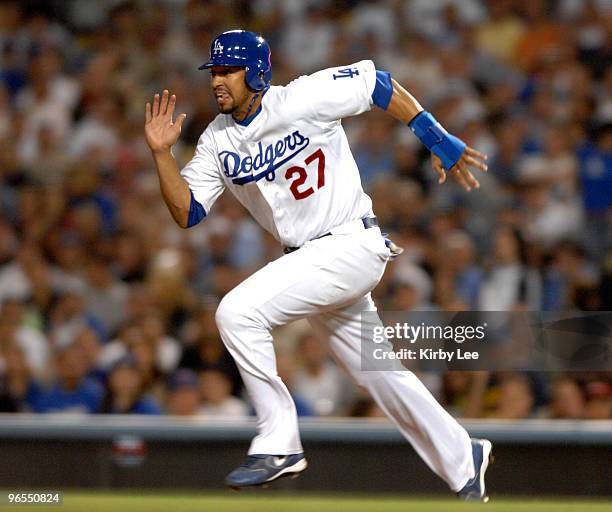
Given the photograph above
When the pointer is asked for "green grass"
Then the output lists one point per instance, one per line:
(256, 502)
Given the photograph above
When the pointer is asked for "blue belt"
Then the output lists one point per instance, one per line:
(368, 222)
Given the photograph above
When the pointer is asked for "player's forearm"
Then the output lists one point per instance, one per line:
(174, 188)
(403, 105)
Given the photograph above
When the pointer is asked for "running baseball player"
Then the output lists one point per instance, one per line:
(283, 153)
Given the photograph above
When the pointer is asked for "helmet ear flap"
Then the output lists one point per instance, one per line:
(254, 79)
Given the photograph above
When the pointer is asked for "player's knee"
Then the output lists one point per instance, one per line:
(233, 313)
(226, 314)
(367, 379)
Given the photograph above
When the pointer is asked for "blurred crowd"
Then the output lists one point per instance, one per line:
(107, 306)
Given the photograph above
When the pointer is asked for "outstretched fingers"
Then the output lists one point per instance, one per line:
(459, 178)
(467, 176)
(437, 165)
(163, 107)
(471, 152)
(461, 170)
(156, 105)
(475, 153)
(179, 120)
(463, 176)
(171, 105)
(478, 164)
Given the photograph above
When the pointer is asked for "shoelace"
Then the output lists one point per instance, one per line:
(252, 459)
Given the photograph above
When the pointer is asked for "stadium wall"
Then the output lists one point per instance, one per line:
(533, 457)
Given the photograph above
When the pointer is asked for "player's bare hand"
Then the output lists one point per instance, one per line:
(461, 170)
(161, 132)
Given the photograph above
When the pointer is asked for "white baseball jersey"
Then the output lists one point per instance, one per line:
(291, 165)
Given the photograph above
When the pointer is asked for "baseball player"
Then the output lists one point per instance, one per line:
(283, 153)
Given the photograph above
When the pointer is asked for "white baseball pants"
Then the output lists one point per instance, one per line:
(329, 281)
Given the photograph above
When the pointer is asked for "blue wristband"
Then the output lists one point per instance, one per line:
(441, 143)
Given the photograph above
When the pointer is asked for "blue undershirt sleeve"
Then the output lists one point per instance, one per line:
(196, 212)
(383, 90)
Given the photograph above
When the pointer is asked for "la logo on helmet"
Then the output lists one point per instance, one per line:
(218, 48)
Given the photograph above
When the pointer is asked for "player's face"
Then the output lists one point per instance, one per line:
(229, 88)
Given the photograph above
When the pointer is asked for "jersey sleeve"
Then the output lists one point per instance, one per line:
(202, 173)
(335, 93)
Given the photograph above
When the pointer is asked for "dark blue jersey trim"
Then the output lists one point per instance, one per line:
(381, 97)
(196, 212)
(249, 120)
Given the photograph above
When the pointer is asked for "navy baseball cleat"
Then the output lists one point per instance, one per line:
(261, 469)
(474, 490)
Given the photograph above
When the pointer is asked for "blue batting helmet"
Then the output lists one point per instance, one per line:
(244, 49)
